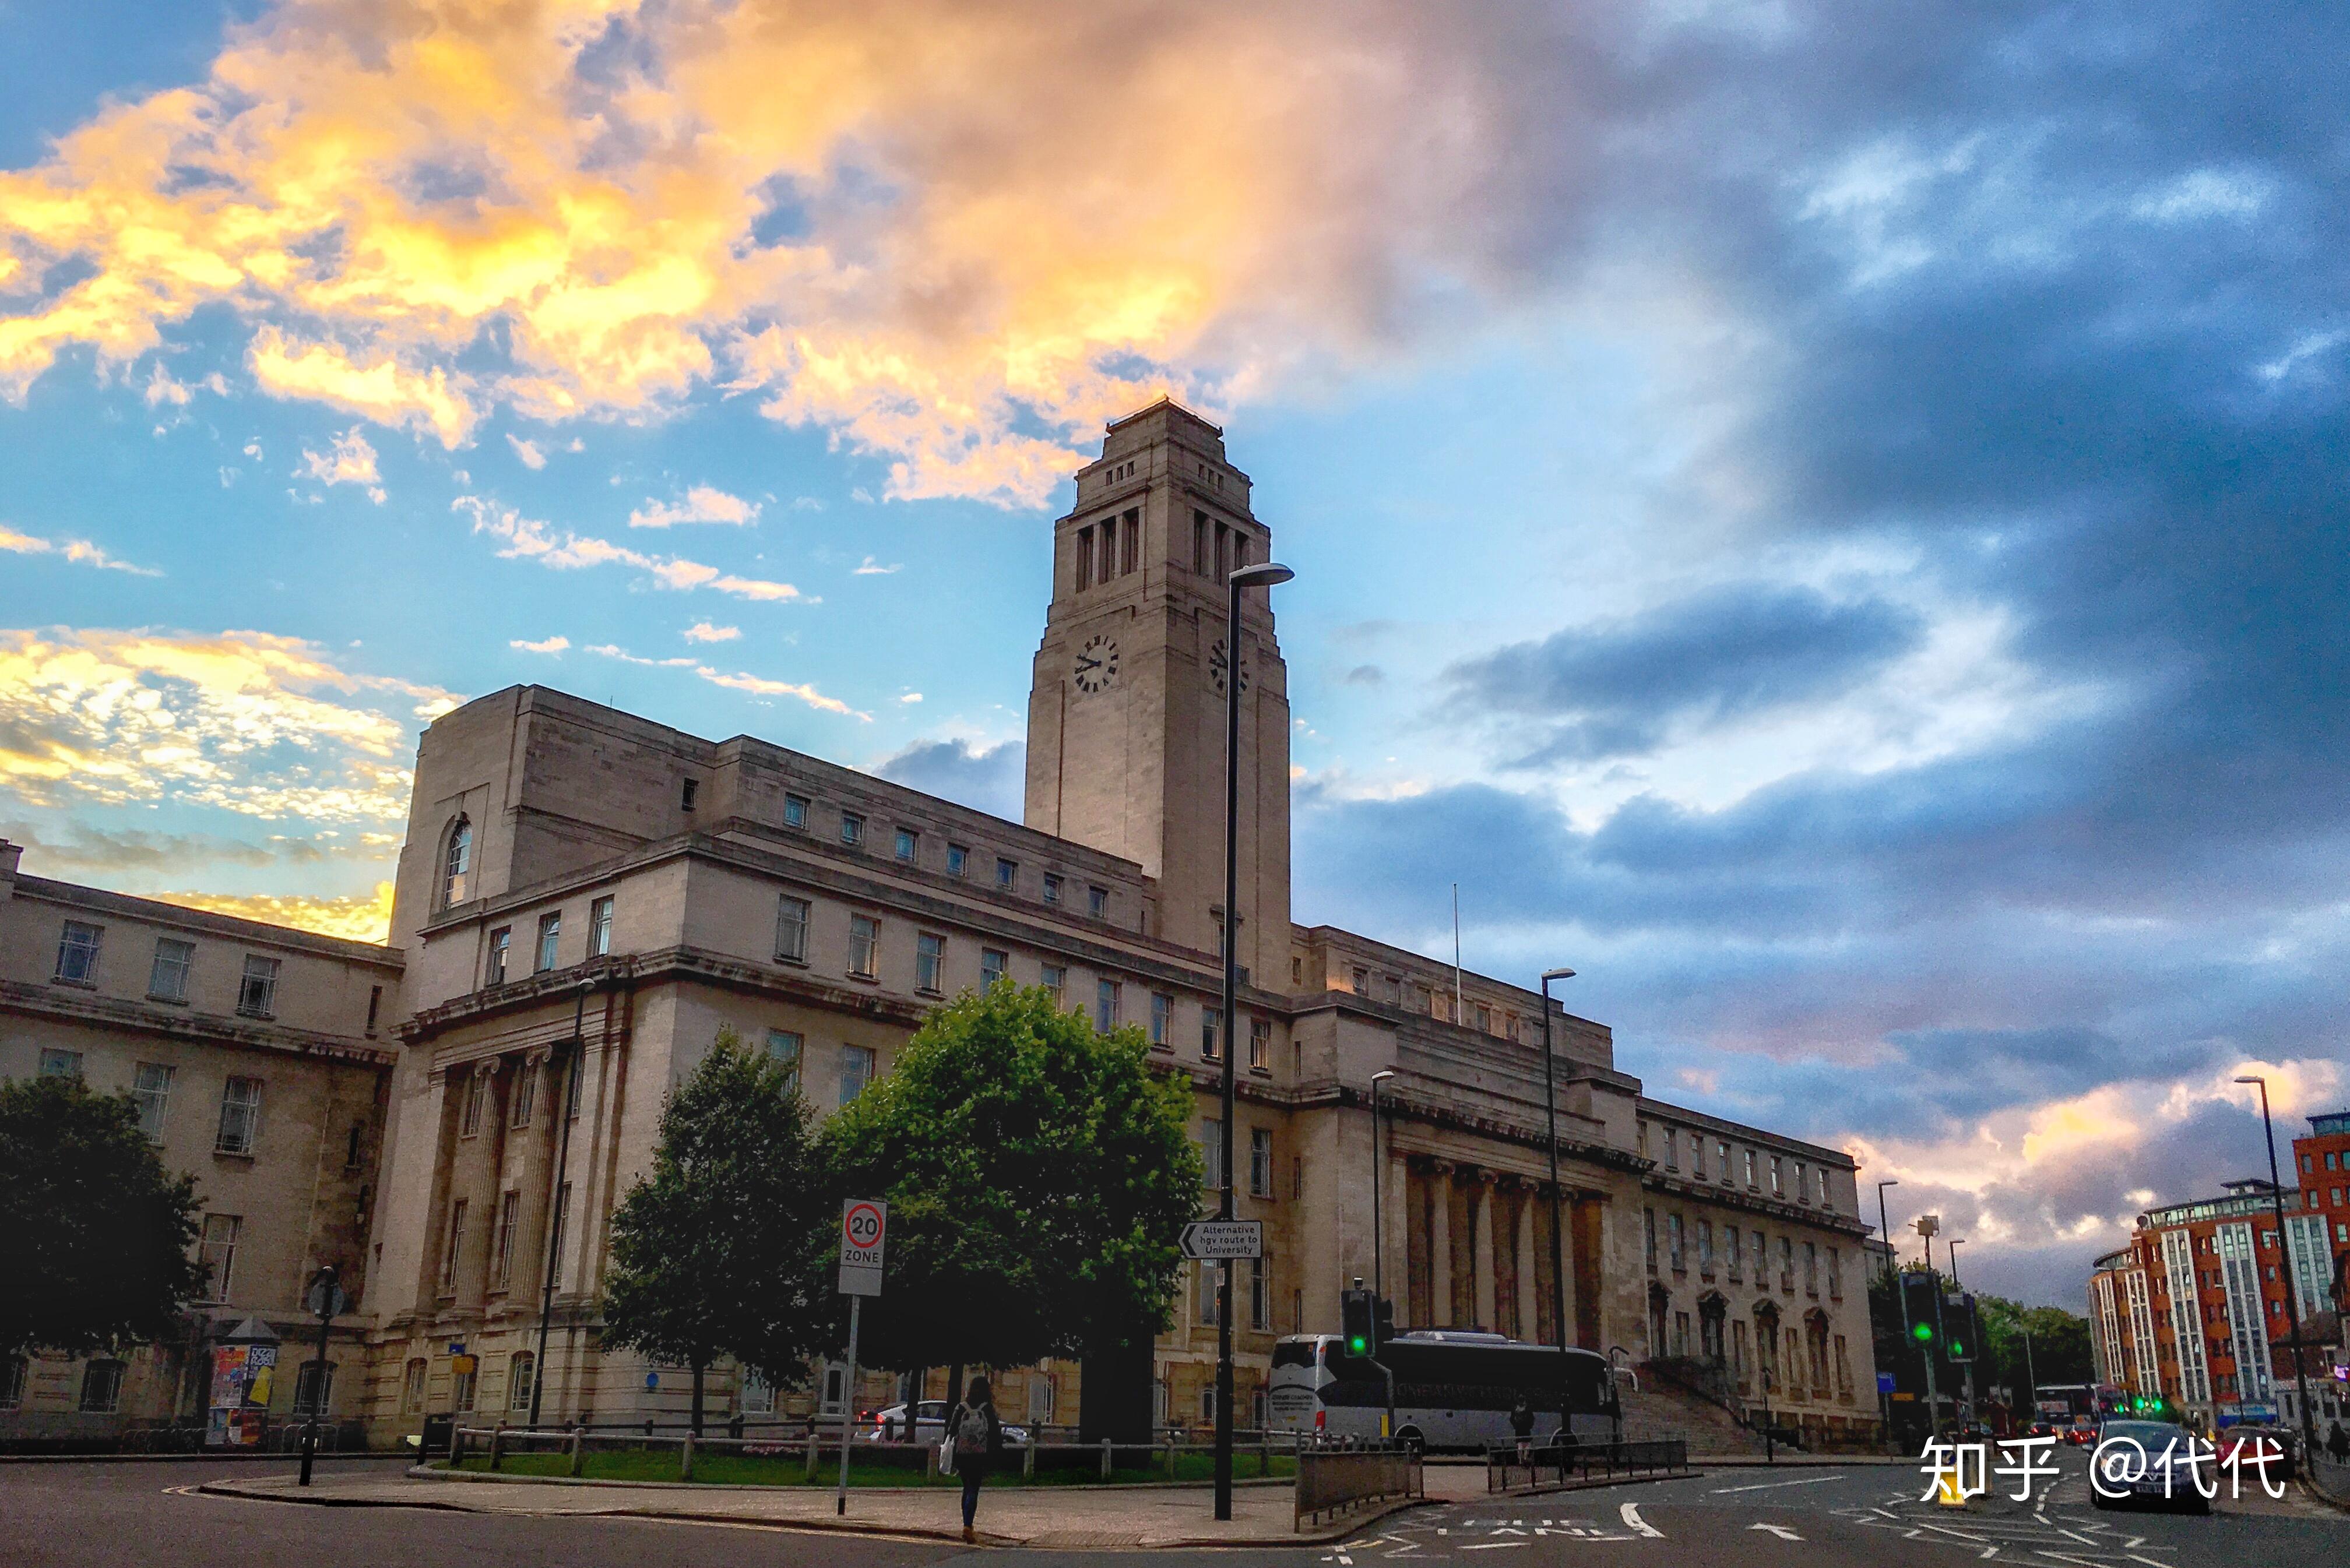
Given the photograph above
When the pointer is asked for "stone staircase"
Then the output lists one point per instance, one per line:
(1658, 1409)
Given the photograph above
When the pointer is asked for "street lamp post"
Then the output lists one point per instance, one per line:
(1893, 1279)
(554, 1197)
(1263, 574)
(2285, 1260)
(1549, 1115)
(1378, 1179)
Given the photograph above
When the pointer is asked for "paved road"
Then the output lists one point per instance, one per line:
(84, 1516)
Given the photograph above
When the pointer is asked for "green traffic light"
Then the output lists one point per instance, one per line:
(1357, 1345)
(1957, 1349)
(1923, 1334)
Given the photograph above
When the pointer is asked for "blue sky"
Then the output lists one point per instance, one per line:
(1828, 524)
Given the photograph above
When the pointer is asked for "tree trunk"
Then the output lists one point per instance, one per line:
(699, 1367)
(954, 1387)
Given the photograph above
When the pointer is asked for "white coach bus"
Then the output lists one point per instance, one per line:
(1454, 1389)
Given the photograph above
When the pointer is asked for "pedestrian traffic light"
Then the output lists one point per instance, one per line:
(1357, 1320)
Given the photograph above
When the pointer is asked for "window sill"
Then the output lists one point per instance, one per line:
(168, 1001)
(241, 1153)
(257, 1017)
(76, 984)
(928, 991)
(864, 978)
(790, 962)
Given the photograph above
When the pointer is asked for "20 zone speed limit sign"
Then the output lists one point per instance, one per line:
(863, 1228)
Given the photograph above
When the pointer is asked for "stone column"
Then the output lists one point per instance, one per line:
(1585, 1284)
(1483, 1262)
(1440, 1243)
(1396, 1217)
(1528, 1314)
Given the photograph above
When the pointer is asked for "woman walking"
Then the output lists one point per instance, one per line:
(978, 1437)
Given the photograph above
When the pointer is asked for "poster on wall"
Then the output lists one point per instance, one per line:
(243, 1380)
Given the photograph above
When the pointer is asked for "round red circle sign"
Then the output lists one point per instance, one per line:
(861, 1225)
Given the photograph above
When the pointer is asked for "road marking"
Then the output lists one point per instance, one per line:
(1781, 1531)
(1631, 1514)
(1492, 1546)
(1766, 1486)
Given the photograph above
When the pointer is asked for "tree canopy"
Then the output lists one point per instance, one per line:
(717, 1251)
(1039, 1174)
(97, 1231)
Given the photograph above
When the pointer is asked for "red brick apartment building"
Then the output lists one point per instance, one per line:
(2194, 1307)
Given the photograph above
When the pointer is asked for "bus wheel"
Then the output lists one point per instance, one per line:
(1410, 1439)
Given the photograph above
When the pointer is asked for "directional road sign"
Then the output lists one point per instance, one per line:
(1224, 1239)
(863, 1228)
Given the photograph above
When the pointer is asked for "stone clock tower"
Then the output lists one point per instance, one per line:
(1126, 713)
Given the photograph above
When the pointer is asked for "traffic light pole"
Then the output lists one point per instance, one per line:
(1933, 1396)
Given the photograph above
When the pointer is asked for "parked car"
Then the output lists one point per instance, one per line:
(929, 1425)
(2041, 1429)
(2277, 1440)
(2081, 1435)
(2167, 1478)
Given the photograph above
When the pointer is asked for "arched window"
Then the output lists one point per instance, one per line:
(306, 1390)
(520, 1374)
(457, 869)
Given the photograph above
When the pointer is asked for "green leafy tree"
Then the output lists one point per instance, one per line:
(718, 1251)
(97, 1233)
(1039, 1175)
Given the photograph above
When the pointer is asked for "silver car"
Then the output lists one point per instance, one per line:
(929, 1425)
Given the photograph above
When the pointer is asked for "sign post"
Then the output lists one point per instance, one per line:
(863, 1228)
(1222, 1238)
(326, 1299)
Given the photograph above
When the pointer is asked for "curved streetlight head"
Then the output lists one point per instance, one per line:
(1889, 1181)
(1383, 1074)
(1558, 974)
(1263, 574)
(2254, 1078)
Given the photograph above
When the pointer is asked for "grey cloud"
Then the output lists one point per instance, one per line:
(989, 778)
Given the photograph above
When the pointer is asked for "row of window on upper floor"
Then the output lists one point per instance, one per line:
(1663, 1143)
(908, 847)
(153, 1092)
(1111, 548)
(170, 970)
(1734, 1255)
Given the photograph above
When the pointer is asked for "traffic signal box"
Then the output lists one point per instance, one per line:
(1368, 1322)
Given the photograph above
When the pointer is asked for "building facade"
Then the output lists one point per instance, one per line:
(260, 1059)
(586, 900)
(2194, 1307)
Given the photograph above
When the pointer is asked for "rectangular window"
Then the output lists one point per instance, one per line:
(256, 994)
(1835, 1275)
(58, 1064)
(101, 1386)
(1084, 559)
(1210, 1022)
(1778, 1179)
(1260, 1309)
(1729, 1235)
(852, 828)
(1750, 1168)
(796, 811)
(550, 935)
(375, 1006)
(758, 1394)
(77, 953)
(1705, 1248)
(526, 1095)
(462, 1386)
(600, 928)
(217, 1252)
(151, 1091)
(791, 929)
(1362, 982)
(958, 860)
(908, 841)
(1007, 872)
(1484, 1019)
(1261, 1045)
(1106, 998)
(1675, 1251)
(1097, 903)
(1672, 1150)
(240, 1117)
(1163, 1013)
(1211, 1153)
(522, 1371)
(1803, 1182)
(167, 979)
(1054, 978)
(412, 1389)
(688, 789)
(930, 961)
(1199, 543)
(855, 1071)
(1648, 1237)
(477, 1090)
(502, 1248)
(1259, 1162)
(784, 1050)
(1052, 888)
(454, 1249)
(1208, 1280)
(993, 963)
(494, 972)
(1811, 1267)
(864, 947)
(1762, 1261)
(1786, 1266)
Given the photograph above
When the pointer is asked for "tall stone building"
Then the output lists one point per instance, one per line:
(565, 861)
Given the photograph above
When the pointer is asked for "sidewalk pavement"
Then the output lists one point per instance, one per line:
(1086, 1518)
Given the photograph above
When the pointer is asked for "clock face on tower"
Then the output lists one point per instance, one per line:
(1219, 662)
(1096, 663)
